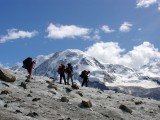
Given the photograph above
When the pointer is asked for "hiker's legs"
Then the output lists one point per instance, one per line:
(83, 82)
(68, 79)
(29, 72)
(86, 83)
(72, 79)
(69, 76)
(64, 78)
(60, 78)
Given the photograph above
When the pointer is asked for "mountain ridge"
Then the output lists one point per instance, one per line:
(103, 76)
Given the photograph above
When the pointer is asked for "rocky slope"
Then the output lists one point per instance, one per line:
(45, 99)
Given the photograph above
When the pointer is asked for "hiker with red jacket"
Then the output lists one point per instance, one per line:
(69, 72)
(61, 72)
(84, 76)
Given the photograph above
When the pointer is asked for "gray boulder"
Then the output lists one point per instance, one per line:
(6, 76)
(86, 104)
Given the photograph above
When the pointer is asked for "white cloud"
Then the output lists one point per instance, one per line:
(145, 3)
(159, 5)
(106, 29)
(1, 65)
(16, 34)
(106, 52)
(125, 27)
(67, 31)
(140, 55)
(96, 35)
(110, 52)
(139, 29)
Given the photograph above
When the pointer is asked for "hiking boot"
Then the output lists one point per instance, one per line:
(68, 84)
(27, 80)
(28, 77)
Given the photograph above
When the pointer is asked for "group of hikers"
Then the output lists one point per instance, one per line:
(69, 72)
(63, 70)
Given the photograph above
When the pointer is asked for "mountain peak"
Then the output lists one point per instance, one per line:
(73, 50)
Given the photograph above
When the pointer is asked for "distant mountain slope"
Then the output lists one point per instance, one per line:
(152, 68)
(102, 76)
(80, 61)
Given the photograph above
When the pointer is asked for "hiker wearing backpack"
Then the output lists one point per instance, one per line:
(28, 64)
(61, 72)
(69, 72)
(84, 76)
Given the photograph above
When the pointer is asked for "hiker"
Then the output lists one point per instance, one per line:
(69, 72)
(61, 72)
(28, 64)
(84, 76)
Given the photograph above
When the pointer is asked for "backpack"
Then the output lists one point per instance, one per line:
(27, 62)
(69, 69)
(83, 74)
(61, 68)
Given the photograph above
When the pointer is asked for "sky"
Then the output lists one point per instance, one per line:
(113, 31)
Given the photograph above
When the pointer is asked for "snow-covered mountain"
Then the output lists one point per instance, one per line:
(102, 76)
(152, 68)
(80, 61)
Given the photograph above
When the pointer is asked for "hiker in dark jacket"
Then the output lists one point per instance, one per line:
(61, 71)
(69, 72)
(28, 64)
(84, 75)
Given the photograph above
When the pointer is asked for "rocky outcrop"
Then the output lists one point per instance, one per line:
(86, 104)
(125, 108)
(6, 76)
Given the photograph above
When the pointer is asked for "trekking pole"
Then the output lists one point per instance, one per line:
(34, 72)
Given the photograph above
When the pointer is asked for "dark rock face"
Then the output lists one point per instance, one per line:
(74, 86)
(23, 84)
(32, 114)
(5, 92)
(125, 108)
(86, 104)
(64, 99)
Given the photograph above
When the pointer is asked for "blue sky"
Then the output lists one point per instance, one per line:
(124, 31)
